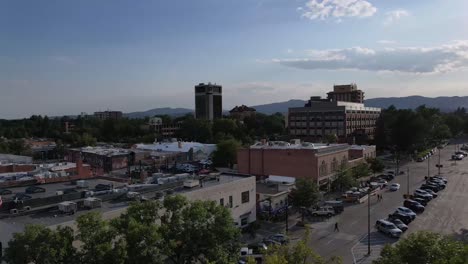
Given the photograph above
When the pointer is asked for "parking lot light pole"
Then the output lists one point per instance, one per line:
(407, 182)
(368, 221)
(428, 169)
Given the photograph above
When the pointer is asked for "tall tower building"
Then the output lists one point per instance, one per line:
(346, 93)
(208, 101)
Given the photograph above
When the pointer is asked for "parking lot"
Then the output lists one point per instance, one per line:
(446, 214)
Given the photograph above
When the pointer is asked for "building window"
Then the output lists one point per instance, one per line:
(244, 221)
(230, 201)
(245, 197)
(323, 169)
(334, 165)
(221, 201)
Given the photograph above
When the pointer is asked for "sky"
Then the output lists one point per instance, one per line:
(64, 57)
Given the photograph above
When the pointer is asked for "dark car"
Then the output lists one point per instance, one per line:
(439, 178)
(103, 187)
(34, 189)
(258, 248)
(429, 191)
(5, 192)
(21, 196)
(420, 200)
(387, 177)
(441, 184)
(402, 226)
(414, 206)
(403, 217)
(432, 187)
(70, 190)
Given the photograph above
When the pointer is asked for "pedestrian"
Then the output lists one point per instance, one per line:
(336, 227)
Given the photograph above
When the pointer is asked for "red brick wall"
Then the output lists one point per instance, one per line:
(295, 163)
(16, 168)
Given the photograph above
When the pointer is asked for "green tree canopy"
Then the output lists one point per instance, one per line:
(226, 153)
(425, 247)
(41, 245)
(344, 180)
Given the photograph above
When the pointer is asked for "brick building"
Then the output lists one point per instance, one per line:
(108, 115)
(105, 159)
(346, 93)
(241, 112)
(318, 162)
(350, 122)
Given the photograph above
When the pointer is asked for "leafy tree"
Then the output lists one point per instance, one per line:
(298, 253)
(226, 153)
(343, 181)
(196, 130)
(331, 138)
(361, 170)
(375, 165)
(425, 247)
(41, 245)
(305, 195)
(98, 238)
(139, 233)
(198, 231)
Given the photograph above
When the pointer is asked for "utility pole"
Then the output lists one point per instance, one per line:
(428, 169)
(287, 215)
(407, 182)
(439, 160)
(368, 221)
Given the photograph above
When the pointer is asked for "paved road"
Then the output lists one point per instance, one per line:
(447, 214)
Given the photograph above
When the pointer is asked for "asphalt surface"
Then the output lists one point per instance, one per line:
(447, 214)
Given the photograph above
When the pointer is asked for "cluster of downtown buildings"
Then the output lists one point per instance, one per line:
(265, 170)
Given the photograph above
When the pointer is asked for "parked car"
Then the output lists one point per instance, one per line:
(423, 193)
(387, 177)
(431, 186)
(327, 211)
(5, 192)
(34, 189)
(414, 206)
(337, 206)
(429, 191)
(441, 184)
(403, 217)
(420, 200)
(461, 153)
(21, 196)
(281, 238)
(388, 228)
(440, 178)
(394, 187)
(103, 187)
(270, 242)
(457, 157)
(258, 248)
(382, 183)
(407, 211)
(402, 226)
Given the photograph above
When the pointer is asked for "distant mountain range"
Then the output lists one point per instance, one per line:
(445, 104)
(160, 111)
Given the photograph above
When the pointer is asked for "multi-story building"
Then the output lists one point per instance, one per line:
(235, 192)
(108, 115)
(106, 159)
(208, 101)
(350, 122)
(346, 93)
(164, 130)
(318, 162)
(241, 112)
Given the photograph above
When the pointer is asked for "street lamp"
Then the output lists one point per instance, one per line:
(368, 221)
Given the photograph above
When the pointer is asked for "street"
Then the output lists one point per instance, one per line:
(447, 214)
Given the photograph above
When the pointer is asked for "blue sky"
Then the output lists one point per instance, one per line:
(66, 57)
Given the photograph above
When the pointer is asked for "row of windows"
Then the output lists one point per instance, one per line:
(316, 117)
(245, 198)
(316, 124)
(334, 166)
(318, 132)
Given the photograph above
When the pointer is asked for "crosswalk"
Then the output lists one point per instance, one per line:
(377, 241)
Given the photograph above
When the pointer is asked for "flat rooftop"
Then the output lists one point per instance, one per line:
(266, 188)
(104, 151)
(288, 145)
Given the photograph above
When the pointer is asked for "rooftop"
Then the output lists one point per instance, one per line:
(242, 108)
(105, 151)
(287, 145)
(266, 188)
(177, 146)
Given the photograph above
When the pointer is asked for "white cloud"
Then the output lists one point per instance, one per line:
(323, 9)
(395, 15)
(438, 59)
(386, 42)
